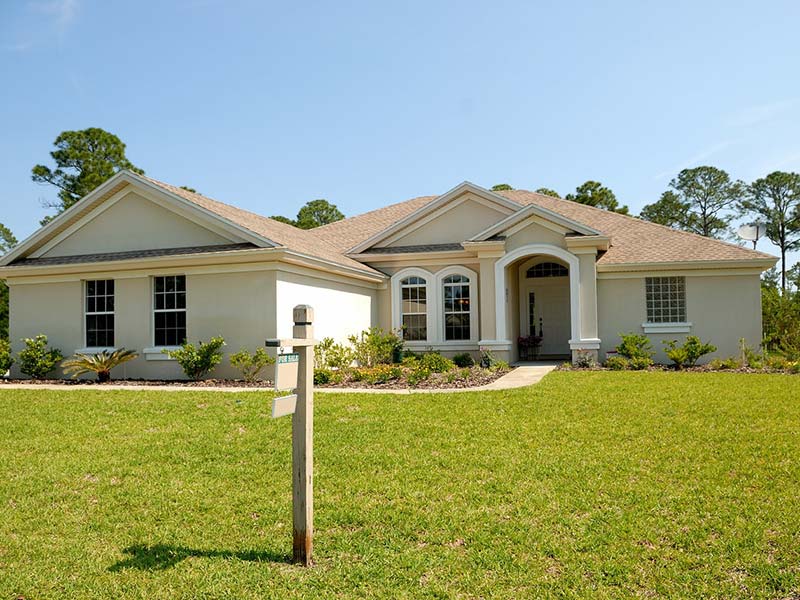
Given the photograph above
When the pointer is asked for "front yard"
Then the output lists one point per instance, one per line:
(589, 484)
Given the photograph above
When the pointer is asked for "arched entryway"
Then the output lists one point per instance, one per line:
(544, 309)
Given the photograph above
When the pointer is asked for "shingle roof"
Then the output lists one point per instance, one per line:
(128, 255)
(633, 240)
(288, 236)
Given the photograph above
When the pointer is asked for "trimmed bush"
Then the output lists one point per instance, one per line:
(322, 376)
(463, 360)
(635, 345)
(6, 360)
(617, 363)
(436, 363)
(689, 353)
(640, 363)
(418, 375)
(250, 365)
(197, 362)
(100, 363)
(37, 360)
(375, 346)
(585, 360)
(330, 355)
(725, 364)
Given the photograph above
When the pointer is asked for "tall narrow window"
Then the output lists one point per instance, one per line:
(456, 307)
(170, 310)
(414, 309)
(100, 313)
(666, 299)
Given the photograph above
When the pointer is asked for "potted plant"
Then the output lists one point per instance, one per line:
(528, 346)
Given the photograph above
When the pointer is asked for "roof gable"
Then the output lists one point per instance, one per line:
(402, 228)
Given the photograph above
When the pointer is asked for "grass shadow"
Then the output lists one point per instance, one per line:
(157, 557)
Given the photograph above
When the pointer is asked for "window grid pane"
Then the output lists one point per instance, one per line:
(414, 309)
(99, 313)
(666, 299)
(456, 308)
(169, 304)
(547, 269)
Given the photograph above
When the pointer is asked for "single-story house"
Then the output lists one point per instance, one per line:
(143, 265)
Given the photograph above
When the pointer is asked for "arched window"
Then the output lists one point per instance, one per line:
(455, 292)
(414, 308)
(547, 269)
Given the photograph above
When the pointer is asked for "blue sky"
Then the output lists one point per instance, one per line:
(267, 106)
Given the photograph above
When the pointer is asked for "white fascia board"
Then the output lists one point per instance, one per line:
(461, 188)
(689, 265)
(527, 212)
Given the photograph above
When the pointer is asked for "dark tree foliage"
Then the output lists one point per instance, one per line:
(501, 187)
(7, 241)
(775, 200)
(700, 200)
(780, 314)
(596, 194)
(548, 192)
(313, 214)
(83, 160)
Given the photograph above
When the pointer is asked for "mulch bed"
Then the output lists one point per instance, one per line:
(189, 383)
(667, 368)
(477, 377)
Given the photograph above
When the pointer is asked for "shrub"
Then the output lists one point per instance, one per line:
(100, 363)
(585, 360)
(36, 359)
(689, 353)
(463, 360)
(458, 375)
(776, 362)
(322, 376)
(488, 359)
(250, 365)
(500, 365)
(635, 345)
(749, 357)
(6, 360)
(198, 361)
(617, 363)
(640, 363)
(436, 363)
(417, 375)
(330, 355)
(381, 374)
(793, 368)
(725, 364)
(375, 346)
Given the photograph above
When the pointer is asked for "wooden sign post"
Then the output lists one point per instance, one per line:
(301, 406)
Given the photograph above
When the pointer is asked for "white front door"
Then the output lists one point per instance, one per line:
(545, 310)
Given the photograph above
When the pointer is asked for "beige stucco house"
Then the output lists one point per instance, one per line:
(143, 265)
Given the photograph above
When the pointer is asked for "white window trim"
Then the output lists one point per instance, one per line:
(156, 352)
(667, 327)
(86, 313)
(430, 299)
(473, 305)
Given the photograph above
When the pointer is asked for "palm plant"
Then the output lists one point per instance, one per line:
(100, 363)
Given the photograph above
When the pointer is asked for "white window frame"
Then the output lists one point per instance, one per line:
(667, 326)
(156, 352)
(86, 349)
(473, 304)
(397, 303)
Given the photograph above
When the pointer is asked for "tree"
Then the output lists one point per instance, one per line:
(313, 214)
(84, 160)
(501, 187)
(775, 199)
(596, 194)
(7, 241)
(793, 277)
(707, 195)
(548, 192)
(669, 210)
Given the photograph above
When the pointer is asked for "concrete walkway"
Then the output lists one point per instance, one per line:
(522, 375)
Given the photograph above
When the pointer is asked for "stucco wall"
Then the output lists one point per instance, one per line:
(146, 226)
(238, 306)
(722, 309)
(340, 309)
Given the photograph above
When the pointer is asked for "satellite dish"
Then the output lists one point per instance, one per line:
(752, 232)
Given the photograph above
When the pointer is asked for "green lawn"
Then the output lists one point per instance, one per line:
(590, 484)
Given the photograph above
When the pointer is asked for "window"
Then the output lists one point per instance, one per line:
(414, 308)
(456, 307)
(169, 310)
(666, 299)
(547, 269)
(100, 313)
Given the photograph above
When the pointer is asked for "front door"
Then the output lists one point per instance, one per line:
(545, 311)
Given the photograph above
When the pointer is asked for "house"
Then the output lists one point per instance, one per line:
(144, 265)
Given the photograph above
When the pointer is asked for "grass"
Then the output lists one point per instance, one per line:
(589, 485)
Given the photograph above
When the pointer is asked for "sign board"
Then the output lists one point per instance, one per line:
(286, 371)
(285, 405)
